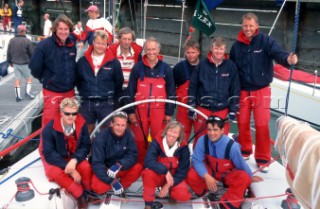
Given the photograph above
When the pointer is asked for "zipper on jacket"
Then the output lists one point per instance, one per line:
(150, 94)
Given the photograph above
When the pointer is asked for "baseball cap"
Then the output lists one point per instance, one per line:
(92, 8)
(22, 28)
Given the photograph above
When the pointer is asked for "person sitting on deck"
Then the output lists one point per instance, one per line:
(114, 157)
(166, 166)
(216, 157)
(65, 146)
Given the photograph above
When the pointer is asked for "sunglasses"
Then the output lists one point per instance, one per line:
(214, 119)
(121, 114)
(70, 113)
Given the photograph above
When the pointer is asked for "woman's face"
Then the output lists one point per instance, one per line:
(172, 135)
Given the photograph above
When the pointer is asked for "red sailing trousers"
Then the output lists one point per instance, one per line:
(127, 177)
(58, 175)
(151, 180)
(200, 126)
(257, 102)
(237, 182)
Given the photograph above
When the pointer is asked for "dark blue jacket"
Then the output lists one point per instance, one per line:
(152, 73)
(109, 149)
(182, 72)
(156, 151)
(54, 145)
(54, 64)
(255, 60)
(17, 18)
(215, 87)
(108, 82)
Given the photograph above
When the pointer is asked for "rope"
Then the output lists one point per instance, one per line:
(15, 146)
(294, 45)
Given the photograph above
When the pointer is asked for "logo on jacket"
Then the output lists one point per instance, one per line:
(124, 147)
(160, 86)
(257, 51)
(226, 164)
(107, 68)
(72, 54)
(224, 74)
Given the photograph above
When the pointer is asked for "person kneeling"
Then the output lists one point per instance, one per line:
(167, 162)
(114, 157)
(216, 157)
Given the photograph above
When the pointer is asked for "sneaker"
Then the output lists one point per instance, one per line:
(29, 96)
(265, 169)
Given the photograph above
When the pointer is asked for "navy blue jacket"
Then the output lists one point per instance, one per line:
(16, 18)
(255, 60)
(215, 87)
(109, 149)
(151, 73)
(54, 145)
(182, 72)
(54, 64)
(108, 82)
(156, 150)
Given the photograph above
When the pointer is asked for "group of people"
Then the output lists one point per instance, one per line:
(6, 14)
(109, 76)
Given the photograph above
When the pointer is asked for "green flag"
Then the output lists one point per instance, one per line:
(202, 19)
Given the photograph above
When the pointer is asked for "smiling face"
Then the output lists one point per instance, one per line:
(118, 126)
(100, 45)
(214, 132)
(152, 50)
(62, 31)
(249, 27)
(172, 135)
(218, 52)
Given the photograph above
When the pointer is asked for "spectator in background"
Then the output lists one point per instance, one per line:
(20, 50)
(128, 53)
(17, 15)
(78, 36)
(6, 14)
(95, 23)
(182, 73)
(47, 25)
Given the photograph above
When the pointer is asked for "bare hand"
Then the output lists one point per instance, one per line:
(292, 59)
(164, 191)
(71, 166)
(76, 176)
(132, 118)
(257, 179)
(211, 182)
(169, 179)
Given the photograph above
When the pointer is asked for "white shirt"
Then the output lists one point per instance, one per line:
(47, 28)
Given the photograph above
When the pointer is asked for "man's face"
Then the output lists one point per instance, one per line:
(249, 27)
(172, 135)
(100, 45)
(69, 115)
(119, 126)
(62, 31)
(93, 15)
(214, 132)
(152, 50)
(126, 41)
(218, 52)
(192, 55)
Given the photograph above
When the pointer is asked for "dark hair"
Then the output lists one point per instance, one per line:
(64, 19)
(215, 120)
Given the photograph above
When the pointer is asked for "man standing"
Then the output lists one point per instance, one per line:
(216, 157)
(20, 50)
(150, 78)
(47, 25)
(95, 23)
(214, 88)
(99, 81)
(253, 53)
(54, 64)
(17, 15)
(128, 53)
(114, 157)
(66, 144)
(182, 73)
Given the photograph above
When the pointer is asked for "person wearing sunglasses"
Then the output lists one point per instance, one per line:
(99, 81)
(215, 158)
(166, 166)
(114, 158)
(214, 88)
(65, 146)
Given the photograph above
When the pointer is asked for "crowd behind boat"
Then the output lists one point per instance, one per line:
(113, 73)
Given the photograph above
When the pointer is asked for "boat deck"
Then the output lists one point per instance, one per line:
(16, 117)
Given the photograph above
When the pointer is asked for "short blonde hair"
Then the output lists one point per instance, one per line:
(69, 102)
(100, 33)
(250, 16)
(219, 41)
(174, 124)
